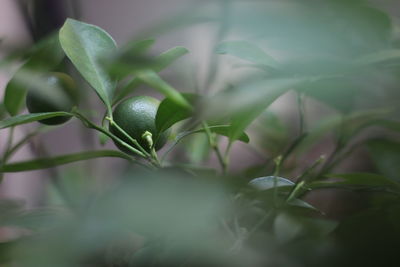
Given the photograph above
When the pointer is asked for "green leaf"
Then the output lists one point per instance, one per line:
(248, 101)
(42, 163)
(168, 57)
(46, 56)
(136, 47)
(378, 57)
(2, 111)
(169, 112)
(218, 129)
(85, 45)
(221, 130)
(339, 93)
(350, 125)
(152, 79)
(247, 51)
(268, 182)
(159, 63)
(27, 118)
(355, 180)
(386, 157)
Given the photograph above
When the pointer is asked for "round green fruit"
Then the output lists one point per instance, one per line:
(59, 94)
(136, 115)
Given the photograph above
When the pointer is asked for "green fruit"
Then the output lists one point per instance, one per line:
(135, 116)
(58, 95)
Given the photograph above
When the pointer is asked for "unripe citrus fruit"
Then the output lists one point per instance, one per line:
(59, 94)
(136, 115)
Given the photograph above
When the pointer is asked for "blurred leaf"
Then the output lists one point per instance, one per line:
(388, 124)
(247, 51)
(301, 203)
(268, 182)
(339, 93)
(169, 112)
(218, 129)
(167, 57)
(386, 157)
(45, 57)
(43, 163)
(85, 45)
(378, 57)
(2, 110)
(27, 118)
(288, 227)
(158, 64)
(248, 101)
(273, 134)
(152, 79)
(356, 180)
(349, 125)
(136, 47)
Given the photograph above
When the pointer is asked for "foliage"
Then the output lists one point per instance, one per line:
(171, 207)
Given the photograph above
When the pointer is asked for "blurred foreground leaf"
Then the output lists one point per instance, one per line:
(45, 57)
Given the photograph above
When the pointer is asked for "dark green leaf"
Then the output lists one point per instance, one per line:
(2, 111)
(247, 51)
(355, 180)
(386, 156)
(169, 112)
(42, 163)
(85, 45)
(47, 56)
(27, 118)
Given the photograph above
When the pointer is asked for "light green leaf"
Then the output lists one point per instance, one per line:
(85, 45)
(218, 129)
(166, 58)
(248, 101)
(268, 182)
(378, 57)
(42, 163)
(27, 118)
(152, 79)
(247, 51)
(161, 62)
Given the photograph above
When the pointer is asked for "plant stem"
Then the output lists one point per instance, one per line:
(278, 162)
(134, 141)
(91, 125)
(211, 139)
(15, 148)
(301, 108)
